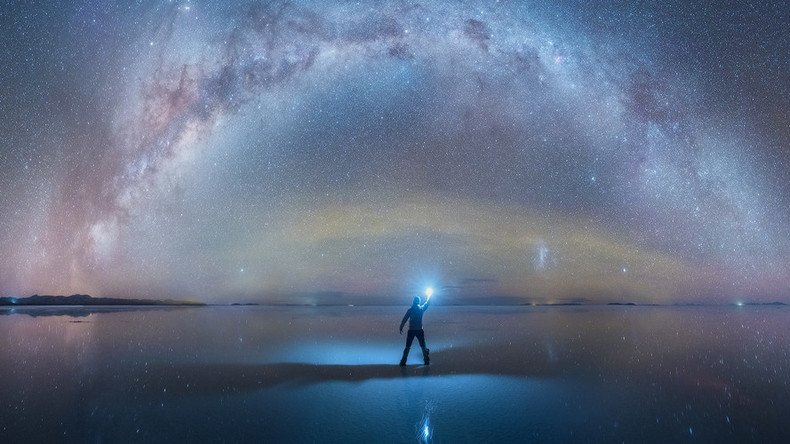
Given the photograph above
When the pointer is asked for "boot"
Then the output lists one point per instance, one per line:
(405, 355)
(426, 357)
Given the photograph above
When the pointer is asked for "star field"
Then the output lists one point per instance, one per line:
(336, 152)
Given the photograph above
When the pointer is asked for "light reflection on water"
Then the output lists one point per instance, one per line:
(497, 374)
(424, 426)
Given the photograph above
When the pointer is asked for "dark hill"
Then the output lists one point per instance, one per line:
(84, 299)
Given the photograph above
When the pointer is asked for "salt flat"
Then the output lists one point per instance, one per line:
(296, 374)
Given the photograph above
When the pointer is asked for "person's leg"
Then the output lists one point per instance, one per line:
(409, 340)
(425, 356)
(421, 338)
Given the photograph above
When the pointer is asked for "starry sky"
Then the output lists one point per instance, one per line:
(355, 152)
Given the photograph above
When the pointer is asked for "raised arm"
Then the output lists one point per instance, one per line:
(405, 318)
(426, 304)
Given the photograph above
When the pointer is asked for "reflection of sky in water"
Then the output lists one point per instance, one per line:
(318, 374)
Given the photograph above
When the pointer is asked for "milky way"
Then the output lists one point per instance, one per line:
(332, 152)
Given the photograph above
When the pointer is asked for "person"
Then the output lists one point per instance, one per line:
(414, 315)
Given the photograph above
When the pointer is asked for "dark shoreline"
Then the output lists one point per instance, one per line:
(82, 300)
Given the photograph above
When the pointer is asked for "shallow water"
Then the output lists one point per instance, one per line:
(294, 374)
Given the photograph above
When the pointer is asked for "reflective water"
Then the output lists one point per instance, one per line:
(293, 374)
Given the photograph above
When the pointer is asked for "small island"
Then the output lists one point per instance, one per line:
(84, 299)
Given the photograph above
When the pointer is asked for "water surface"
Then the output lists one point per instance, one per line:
(299, 374)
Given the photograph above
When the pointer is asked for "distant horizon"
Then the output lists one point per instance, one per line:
(514, 302)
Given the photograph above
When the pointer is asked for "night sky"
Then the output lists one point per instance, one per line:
(343, 152)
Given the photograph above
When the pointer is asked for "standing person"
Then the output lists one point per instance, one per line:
(414, 315)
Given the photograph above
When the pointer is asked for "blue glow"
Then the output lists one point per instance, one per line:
(424, 430)
(429, 292)
(328, 352)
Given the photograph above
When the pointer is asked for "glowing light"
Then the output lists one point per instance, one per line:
(739, 303)
(424, 434)
(429, 292)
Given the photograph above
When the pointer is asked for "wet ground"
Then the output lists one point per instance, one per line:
(303, 374)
